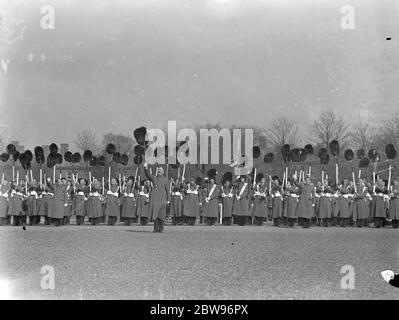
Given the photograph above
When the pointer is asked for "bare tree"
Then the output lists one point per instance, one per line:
(390, 129)
(329, 126)
(86, 140)
(364, 136)
(282, 131)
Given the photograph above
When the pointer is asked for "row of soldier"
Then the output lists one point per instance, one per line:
(237, 200)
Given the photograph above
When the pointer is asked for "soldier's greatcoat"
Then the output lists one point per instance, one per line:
(159, 195)
(177, 201)
(291, 202)
(260, 205)
(143, 202)
(112, 202)
(305, 204)
(58, 201)
(211, 201)
(227, 195)
(4, 188)
(241, 205)
(394, 203)
(129, 203)
(191, 200)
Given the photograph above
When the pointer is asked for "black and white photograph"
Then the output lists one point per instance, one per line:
(212, 151)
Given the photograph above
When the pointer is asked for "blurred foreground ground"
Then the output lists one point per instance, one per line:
(200, 262)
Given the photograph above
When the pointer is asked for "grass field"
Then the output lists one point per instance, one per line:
(200, 262)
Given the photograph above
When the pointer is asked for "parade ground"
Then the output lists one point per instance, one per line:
(200, 262)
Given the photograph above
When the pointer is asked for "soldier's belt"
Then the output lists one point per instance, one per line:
(144, 194)
(109, 192)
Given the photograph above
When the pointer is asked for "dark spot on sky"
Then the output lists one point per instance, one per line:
(388, 38)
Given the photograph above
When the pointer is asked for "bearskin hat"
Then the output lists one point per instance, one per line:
(124, 159)
(93, 161)
(322, 151)
(110, 148)
(68, 156)
(334, 148)
(302, 155)
(59, 158)
(372, 155)
(38, 151)
(348, 154)
(4, 157)
(29, 155)
(39, 154)
(139, 135)
(268, 158)
(259, 177)
(24, 160)
(16, 156)
(227, 176)
(295, 154)
(175, 165)
(77, 157)
(101, 161)
(323, 155)
(309, 149)
(11, 149)
(138, 159)
(256, 152)
(116, 157)
(53, 148)
(360, 153)
(211, 174)
(198, 181)
(363, 163)
(138, 150)
(390, 151)
(87, 155)
(51, 160)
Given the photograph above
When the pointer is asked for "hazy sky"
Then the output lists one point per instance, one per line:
(114, 65)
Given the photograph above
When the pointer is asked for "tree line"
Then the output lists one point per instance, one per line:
(327, 126)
